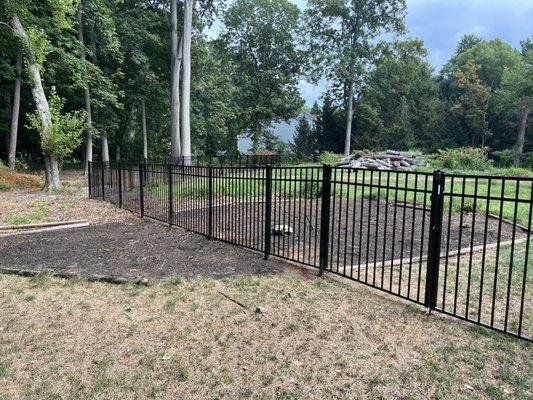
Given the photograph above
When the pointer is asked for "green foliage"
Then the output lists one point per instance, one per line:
(249, 77)
(64, 134)
(329, 158)
(504, 158)
(329, 126)
(400, 107)
(260, 37)
(21, 165)
(527, 160)
(463, 158)
(305, 143)
(472, 103)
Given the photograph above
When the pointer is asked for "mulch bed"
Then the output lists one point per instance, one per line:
(361, 231)
(134, 250)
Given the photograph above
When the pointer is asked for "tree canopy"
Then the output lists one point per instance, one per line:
(110, 60)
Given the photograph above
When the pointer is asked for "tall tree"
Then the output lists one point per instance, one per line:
(492, 58)
(86, 93)
(399, 106)
(145, 132)
(50, 160)
(305, 145)
(15, 114)
(177, 53)
(186, 82)
(261, 37)
(515, 96)
(341, 35)
(472, 104)
(58, 132)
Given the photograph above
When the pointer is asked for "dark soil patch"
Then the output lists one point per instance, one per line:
(362, 231)
(137, 250)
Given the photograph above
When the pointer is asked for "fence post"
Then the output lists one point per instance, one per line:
(141, 193)
(103, 182)
(170, 195)
(119, 171)
(435, 237)
(89, 183)
(268, 209)
(324, 218)
(210, 200)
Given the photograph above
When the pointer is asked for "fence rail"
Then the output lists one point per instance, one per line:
(457, 244)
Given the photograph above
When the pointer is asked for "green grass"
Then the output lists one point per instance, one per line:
(5, 186)
(375, 185)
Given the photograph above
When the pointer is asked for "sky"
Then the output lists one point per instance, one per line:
(441, 23)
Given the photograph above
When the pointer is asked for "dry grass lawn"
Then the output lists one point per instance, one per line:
(320, 338)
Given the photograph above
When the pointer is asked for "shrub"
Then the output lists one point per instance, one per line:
(21, 165)
(504, 158)
(463, 158)
(329, 158)
(527, 160)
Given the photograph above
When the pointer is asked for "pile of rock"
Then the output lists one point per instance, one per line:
(390, 160)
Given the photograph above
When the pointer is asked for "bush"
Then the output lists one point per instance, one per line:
(527, 160)
(463, 158)
(21, 165)
(504, 158)
(329, 158)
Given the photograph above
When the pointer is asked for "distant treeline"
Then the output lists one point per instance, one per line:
(380, 94)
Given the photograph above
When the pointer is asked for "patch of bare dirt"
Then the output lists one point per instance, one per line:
(135, 249)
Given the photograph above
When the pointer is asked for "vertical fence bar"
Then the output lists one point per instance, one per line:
(141, 188)
(210, 201)
(170, 195)
(103, 182)
(324, 218)
(435, 237)
(89, 172)
(119, 171)
(268, 209)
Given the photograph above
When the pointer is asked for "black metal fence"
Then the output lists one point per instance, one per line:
(457, 244)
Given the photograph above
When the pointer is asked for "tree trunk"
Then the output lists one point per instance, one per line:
(186, 83)
(145, 134)
(117, 153)
(41, 103)
(349, 118)
(105, 147)
(15, 115)
(51, 172)
(521, 137)
(131, 126)
(177, 53)
(87, 94)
